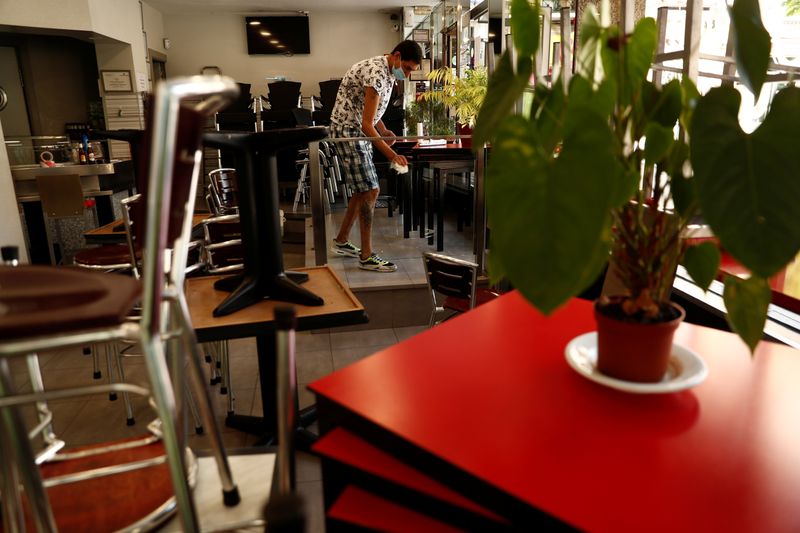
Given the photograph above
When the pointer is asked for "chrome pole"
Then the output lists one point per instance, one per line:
(285, 324)
(317, 205)
(480, 209)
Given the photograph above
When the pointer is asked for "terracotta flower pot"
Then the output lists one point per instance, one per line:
(634, 351)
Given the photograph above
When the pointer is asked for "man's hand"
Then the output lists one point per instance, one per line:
(399, 159)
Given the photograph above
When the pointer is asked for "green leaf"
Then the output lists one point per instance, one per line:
(639, 52)
(683, 193)
(550, 117)
(658, 142)
(752, 44)
(525, 26)
(747, 302)
(748, 186)
(591, 37)
(702, 263)
(562, 203)
(689, 96)
(664, 105)
(505, 86)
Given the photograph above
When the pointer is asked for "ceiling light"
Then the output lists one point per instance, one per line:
(274, 41)
(265, 33)
(254, 23)
(281, 46)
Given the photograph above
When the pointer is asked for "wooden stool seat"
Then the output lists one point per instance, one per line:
(42, 300)
(111, 502)
(113, 254)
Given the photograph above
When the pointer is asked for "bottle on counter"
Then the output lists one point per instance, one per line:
(9, 256)
(90, 157)
(81, 156)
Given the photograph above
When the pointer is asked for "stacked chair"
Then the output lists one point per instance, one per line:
(284, 95)
(453, 286)
(60, 308)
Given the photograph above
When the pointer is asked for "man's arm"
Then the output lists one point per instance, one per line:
(371, 100)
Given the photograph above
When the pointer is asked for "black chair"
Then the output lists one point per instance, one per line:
(302, 117)
(327, 93)
(456, 280)
(284, 95)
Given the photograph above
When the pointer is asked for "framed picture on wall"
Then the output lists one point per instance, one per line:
(421, 36)
(421, 74)
(117, 81)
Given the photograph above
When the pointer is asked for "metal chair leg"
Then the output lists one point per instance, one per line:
(112, 396)
(96, 374)
(17, 448)
(117, 357)
(162, 390)
(13, 517)
(230, 492)
(52, 443)
(226, 369)
(190, 401)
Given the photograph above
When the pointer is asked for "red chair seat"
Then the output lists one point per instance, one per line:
(107, 503)
(462, 304)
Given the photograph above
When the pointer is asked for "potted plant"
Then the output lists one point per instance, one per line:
(463, 96)
(597, 170)
(432, 113)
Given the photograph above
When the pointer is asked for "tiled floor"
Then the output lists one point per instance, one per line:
(389, 243)
(92, 419)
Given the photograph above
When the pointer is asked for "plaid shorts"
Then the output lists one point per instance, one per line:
(356, 159)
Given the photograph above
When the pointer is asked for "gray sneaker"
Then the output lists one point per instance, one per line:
(345, 248)
(377, 264)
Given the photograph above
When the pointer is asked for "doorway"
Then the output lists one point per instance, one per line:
(13, 109)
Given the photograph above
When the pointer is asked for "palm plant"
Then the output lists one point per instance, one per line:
(463, 96)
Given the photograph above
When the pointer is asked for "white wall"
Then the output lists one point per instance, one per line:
(121, 20)
(338, 39)
(154, 28)
(62, 14)
(11, 226)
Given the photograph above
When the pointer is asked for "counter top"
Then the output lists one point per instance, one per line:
(30, 172)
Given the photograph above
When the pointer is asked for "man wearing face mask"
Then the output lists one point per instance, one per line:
(362, 99)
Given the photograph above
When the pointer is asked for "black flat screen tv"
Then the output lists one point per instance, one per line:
(277, 35)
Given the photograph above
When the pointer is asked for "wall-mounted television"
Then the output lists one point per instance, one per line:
(277, 35)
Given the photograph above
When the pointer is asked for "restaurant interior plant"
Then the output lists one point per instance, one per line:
(432, 114)
(462, 96)
(611, 166)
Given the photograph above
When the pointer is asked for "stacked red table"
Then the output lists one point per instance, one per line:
(486, 405)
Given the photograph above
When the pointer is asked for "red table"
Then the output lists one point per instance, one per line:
(487, 405)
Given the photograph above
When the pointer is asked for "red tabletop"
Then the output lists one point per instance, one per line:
(491, 394)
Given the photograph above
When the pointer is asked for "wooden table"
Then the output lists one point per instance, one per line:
(341, 308)
(486, 405)
(114, 232)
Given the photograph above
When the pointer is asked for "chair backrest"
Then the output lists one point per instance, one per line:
(284, 94)
(327, 93)
(302, 117)
(61, 195)
(224, 190)
(222, 244)
(450, 276)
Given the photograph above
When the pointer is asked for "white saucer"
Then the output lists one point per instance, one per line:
(686, 369)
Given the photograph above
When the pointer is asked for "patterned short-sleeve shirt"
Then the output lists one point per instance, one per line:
(373, 72)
